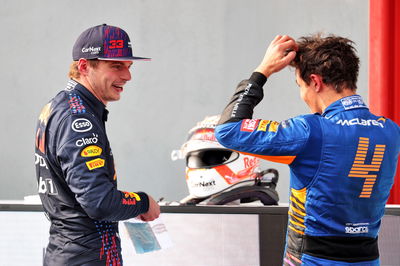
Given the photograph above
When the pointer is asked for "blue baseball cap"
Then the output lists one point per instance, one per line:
(104, 42)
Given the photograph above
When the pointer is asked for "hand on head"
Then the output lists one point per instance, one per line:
(279, 54)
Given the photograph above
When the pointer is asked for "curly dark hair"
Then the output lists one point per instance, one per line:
(333, 58)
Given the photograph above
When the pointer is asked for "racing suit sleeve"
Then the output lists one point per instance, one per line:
(266, 139)
(247, 95)
(89, 171)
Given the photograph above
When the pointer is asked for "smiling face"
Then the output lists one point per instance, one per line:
(107, 79)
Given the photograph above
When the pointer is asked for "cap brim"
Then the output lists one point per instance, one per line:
(130, 58)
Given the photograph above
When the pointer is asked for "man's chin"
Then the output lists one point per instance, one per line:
(114, 99)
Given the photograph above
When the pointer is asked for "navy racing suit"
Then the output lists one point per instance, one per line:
(342, 165)
(77, 182)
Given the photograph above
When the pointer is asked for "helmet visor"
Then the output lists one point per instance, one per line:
(210, 158)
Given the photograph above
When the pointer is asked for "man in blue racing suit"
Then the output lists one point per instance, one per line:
(75, 170)
(342, 157)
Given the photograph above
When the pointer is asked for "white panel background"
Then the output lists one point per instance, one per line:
(199, 240)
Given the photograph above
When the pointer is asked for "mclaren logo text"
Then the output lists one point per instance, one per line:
(360, 122)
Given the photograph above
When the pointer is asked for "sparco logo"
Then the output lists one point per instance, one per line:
(81, 125)
(86, 141)
(91, 50)
(356, 230)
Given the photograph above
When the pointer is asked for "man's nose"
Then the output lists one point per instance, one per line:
(126, 75)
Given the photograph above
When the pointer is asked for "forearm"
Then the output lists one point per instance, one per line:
(114, 205)
(247, 95)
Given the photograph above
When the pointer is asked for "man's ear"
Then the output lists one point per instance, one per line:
(83, 66)
(316, 81)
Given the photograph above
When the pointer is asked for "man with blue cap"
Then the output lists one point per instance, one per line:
(77, 182)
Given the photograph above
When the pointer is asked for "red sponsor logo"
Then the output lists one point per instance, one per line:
(129, 201)
(204, 134)
(40, 139)
(249, 125)
(250, 162)
(116, 44)
(130, 198)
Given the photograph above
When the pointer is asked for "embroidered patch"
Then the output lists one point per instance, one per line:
(352, 102)
(76, 104)
(273, 127)
(96, 163)
(262, 126)
(91, 151)
(249, 125)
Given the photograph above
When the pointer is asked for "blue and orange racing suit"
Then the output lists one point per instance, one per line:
(77, 181)
(342, 165)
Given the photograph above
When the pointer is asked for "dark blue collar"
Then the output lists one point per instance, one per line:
(89, 99)
(346, 103)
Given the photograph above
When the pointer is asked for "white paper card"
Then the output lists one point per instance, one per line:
(146, 236)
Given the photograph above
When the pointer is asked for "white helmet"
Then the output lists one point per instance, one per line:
(211, 168)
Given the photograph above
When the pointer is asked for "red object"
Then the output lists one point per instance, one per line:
(384, 67)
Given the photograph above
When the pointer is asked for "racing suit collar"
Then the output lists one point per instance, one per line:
(343, 104)
(97, 105)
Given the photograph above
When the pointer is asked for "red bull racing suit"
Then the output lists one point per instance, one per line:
(77, 182)
(342, 165)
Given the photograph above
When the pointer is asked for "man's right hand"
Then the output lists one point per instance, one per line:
(280, 52)
(152, 213)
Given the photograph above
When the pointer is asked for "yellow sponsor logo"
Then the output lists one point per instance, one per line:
(131, 195)
(91, 151)
(382, 119)
(262, 126)
(273, 127)
(96, 163)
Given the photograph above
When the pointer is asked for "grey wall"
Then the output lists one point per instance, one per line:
(200, 51)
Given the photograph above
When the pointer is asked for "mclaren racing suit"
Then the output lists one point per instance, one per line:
(77, 182)
(342, 166)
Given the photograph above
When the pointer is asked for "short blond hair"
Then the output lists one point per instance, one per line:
(73, 68)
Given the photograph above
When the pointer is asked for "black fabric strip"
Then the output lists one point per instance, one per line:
(247, 95)
(258, 79)
(348, 249)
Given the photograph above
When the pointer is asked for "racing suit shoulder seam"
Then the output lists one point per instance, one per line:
(303, 140)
